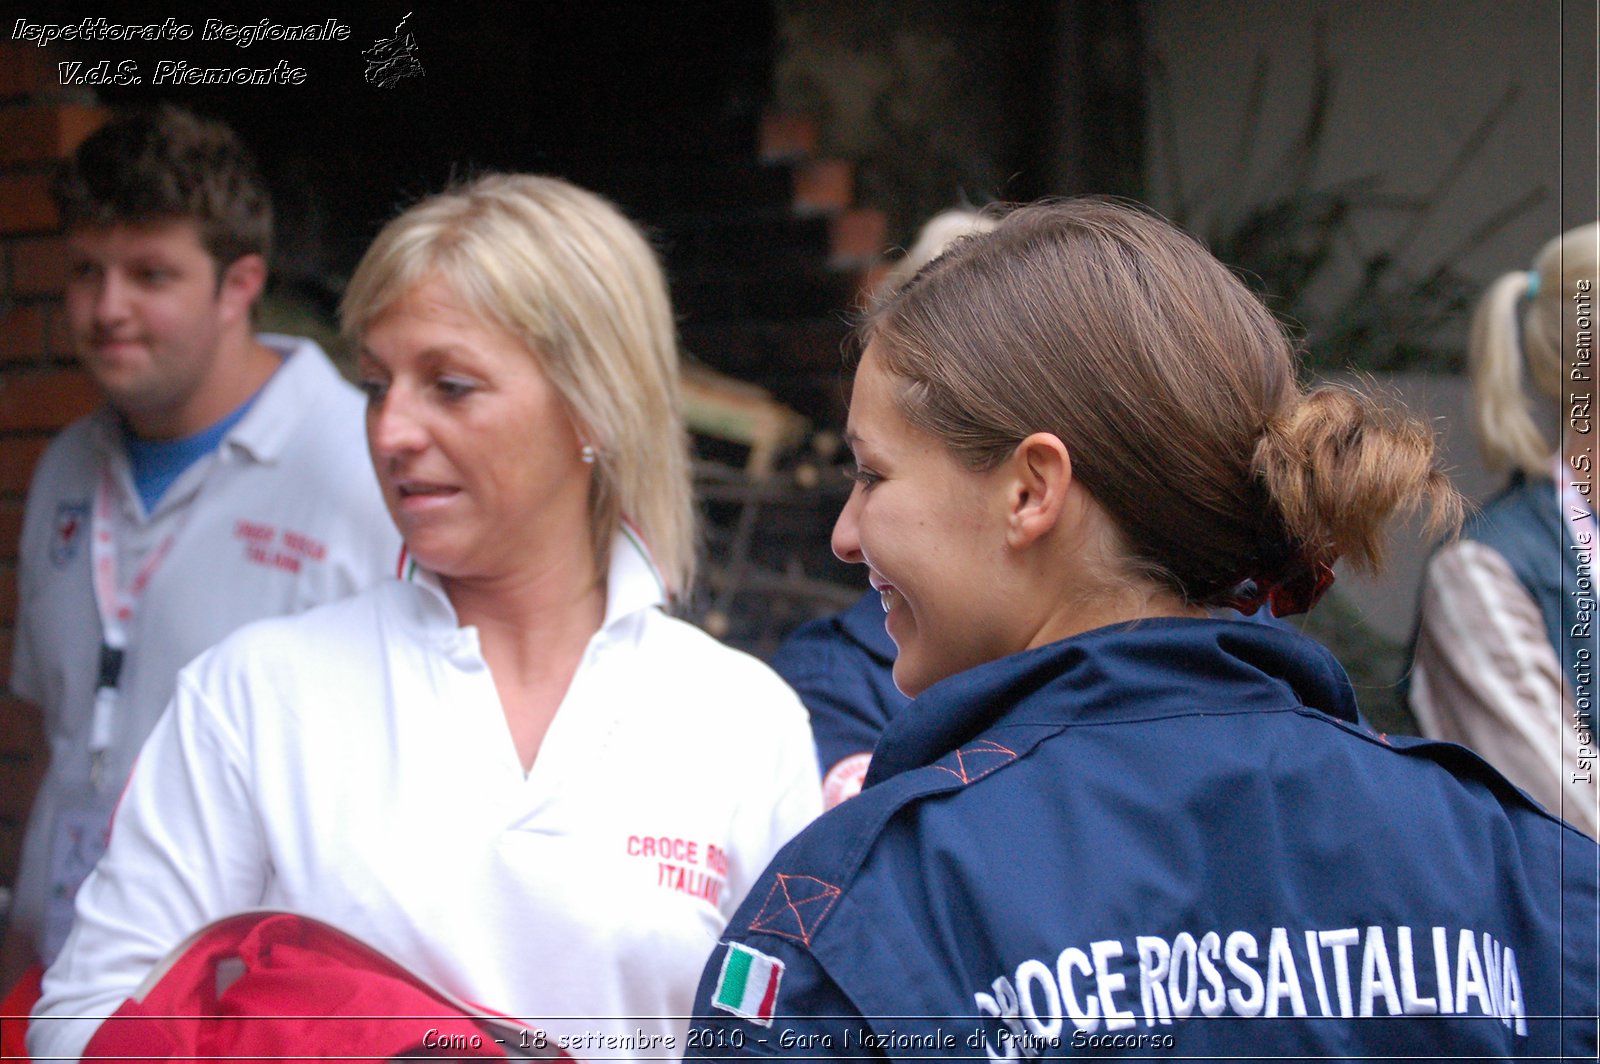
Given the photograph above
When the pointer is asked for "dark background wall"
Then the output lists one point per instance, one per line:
(967, 100)
(639, 99)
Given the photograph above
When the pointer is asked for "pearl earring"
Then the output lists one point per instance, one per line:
(587, 454)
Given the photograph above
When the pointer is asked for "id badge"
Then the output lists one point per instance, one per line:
(81, 837)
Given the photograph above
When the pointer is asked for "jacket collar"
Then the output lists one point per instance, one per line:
(1140, 670)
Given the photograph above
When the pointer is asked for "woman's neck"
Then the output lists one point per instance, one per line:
(1083, 581)
(1097, 609)
(533, 630)
(555, 604)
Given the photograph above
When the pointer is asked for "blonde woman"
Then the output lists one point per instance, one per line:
(1505, 655)
(1109, 823)
(509, 769)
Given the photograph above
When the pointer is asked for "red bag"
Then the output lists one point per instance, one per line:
(14, 1012)
(269, 985)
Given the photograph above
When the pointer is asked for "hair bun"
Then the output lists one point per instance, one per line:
(1339, 464)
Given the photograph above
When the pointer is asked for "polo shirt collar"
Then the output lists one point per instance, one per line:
(305, 376)
(634, 582)
(105, 433)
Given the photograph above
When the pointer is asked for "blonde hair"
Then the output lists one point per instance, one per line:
(562, 270)
(1517, 330)
(1172, 387)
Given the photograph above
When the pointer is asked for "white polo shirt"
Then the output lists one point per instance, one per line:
(284, 515)
(354, 764)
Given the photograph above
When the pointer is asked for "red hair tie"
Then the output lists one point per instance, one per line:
(1298, 588)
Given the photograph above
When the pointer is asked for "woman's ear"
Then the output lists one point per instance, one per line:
(1040, 474)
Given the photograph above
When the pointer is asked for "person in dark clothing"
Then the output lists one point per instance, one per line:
(841, 666)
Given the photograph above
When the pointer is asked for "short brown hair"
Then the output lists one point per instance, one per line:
(1172, 386)
(169, 164)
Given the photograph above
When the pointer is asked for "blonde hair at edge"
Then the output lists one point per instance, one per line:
(935, 236)
(1509, 330)
(562, 270)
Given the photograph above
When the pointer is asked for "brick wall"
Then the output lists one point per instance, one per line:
(41, 389)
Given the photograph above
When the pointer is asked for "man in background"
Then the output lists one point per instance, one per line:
(226, 479)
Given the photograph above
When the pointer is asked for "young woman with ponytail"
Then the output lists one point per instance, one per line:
(1109, 821)
(1505, 651)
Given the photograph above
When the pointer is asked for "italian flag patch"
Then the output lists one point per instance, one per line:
(748, 984)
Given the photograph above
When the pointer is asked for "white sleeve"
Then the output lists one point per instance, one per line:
(186, 848)
(786, 795)
(1486, 676)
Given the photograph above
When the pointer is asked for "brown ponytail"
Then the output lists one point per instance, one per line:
(1339, 465)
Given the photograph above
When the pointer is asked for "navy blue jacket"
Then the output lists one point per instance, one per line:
(1169, 837)
(841, 667)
